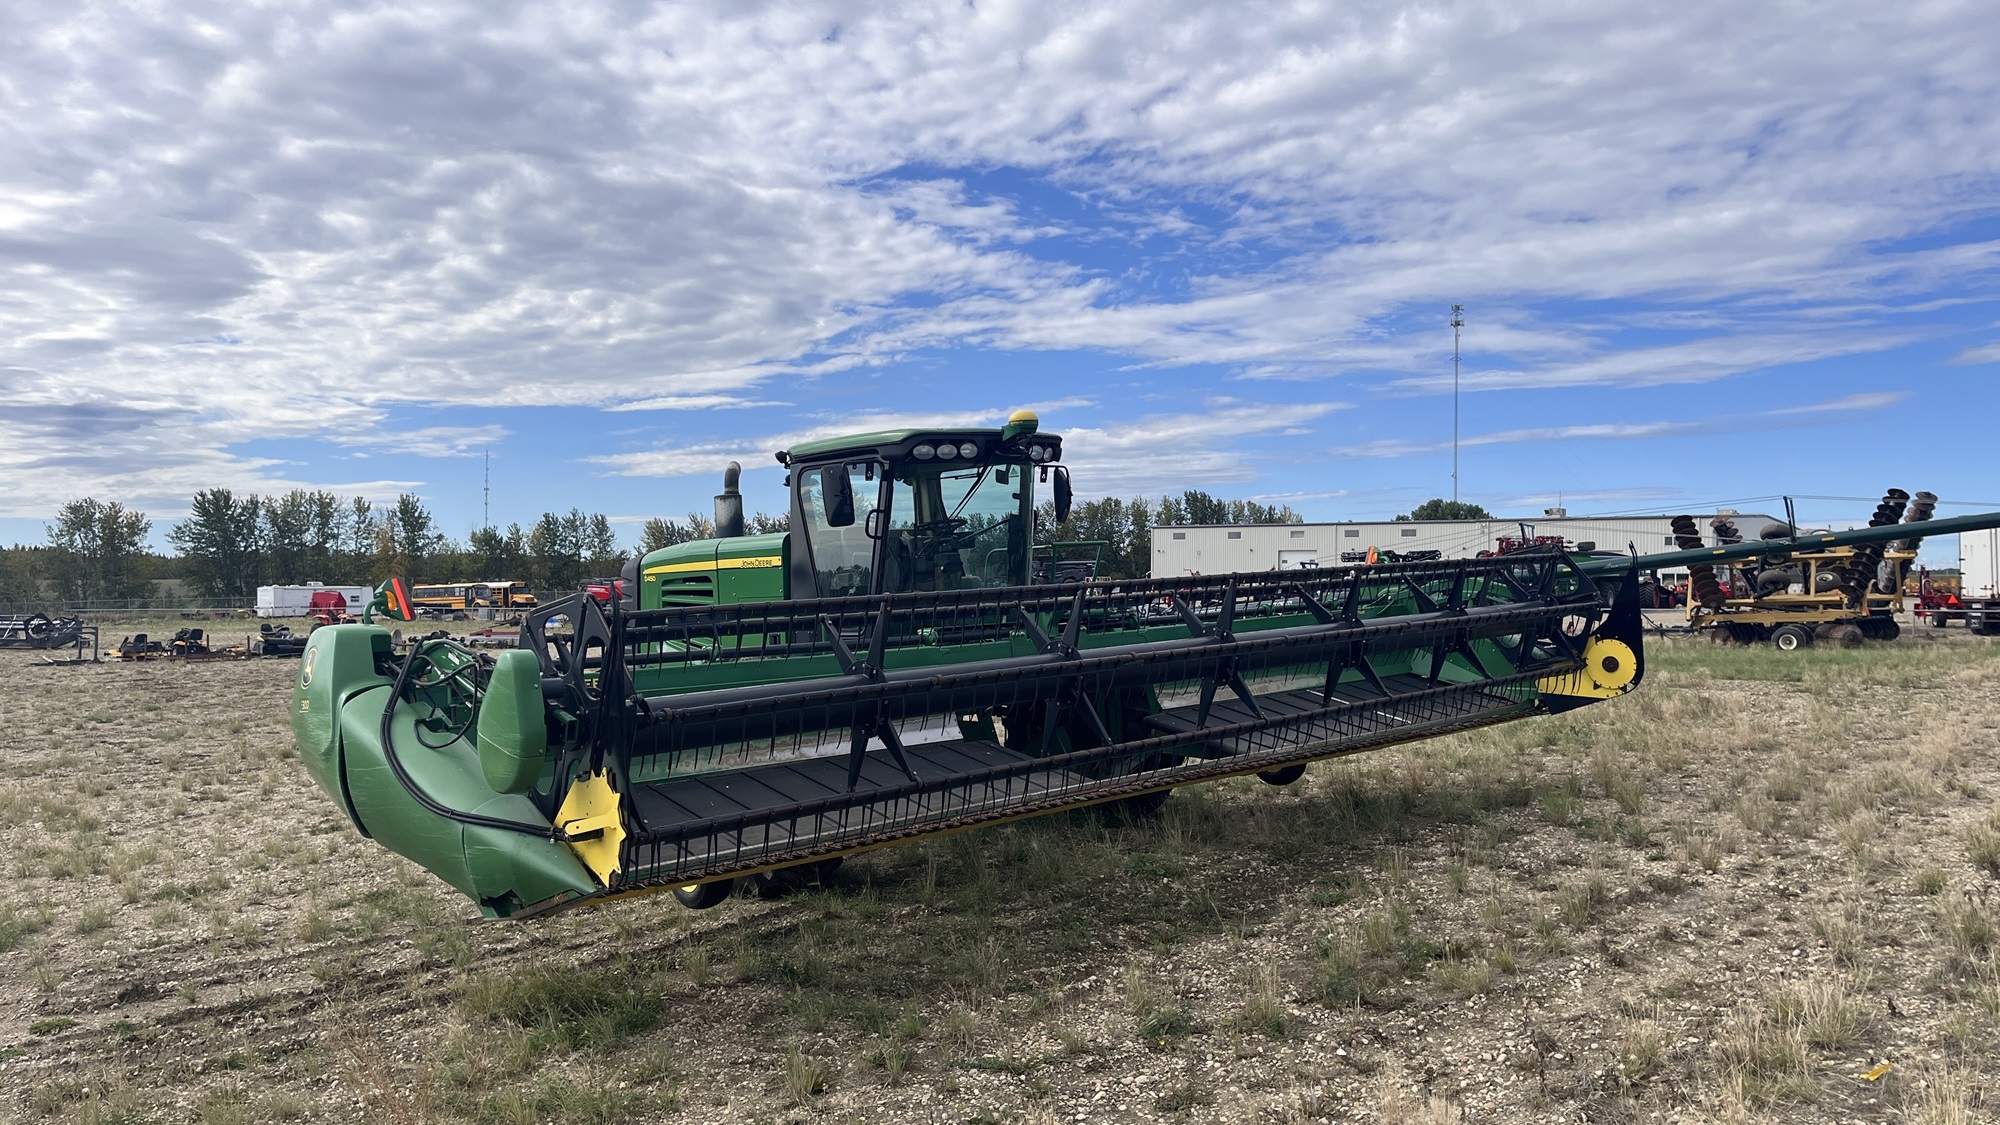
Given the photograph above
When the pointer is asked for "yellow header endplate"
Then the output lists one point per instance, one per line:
(589, 817)
(1608, 669)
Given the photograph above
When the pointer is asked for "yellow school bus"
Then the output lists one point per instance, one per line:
(462, 597)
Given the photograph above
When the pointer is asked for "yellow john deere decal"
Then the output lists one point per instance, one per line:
(1608, 669)
(759, 562)
(589, 817)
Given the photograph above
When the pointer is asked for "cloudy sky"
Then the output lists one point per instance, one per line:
(1708, 252)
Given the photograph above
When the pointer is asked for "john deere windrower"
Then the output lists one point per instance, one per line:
(886, 670)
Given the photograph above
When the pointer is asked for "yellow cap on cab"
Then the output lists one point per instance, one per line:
(1018, 423)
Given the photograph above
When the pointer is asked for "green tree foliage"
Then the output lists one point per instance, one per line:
(1441, 509)
(97, 551)
(18, 576)
(658, 533)
(563, 551)
(302, 537)
(492, 555)
(357, 538)
(221, 543)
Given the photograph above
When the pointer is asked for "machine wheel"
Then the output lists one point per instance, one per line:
(1790, 638)
(1937, 620)
(701, 896)
(1283, 775)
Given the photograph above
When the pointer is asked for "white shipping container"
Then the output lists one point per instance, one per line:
(296, 601)
(1979, 563)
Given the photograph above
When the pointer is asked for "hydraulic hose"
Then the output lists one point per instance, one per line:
(416, 791)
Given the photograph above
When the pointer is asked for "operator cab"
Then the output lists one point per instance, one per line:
(905, 510)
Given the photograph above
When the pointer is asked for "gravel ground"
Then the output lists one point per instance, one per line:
(1734, 895)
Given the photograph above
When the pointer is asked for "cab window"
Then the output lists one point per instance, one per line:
(956, 527)
(843, 558)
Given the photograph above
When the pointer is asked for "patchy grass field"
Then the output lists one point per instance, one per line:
(1729, 896)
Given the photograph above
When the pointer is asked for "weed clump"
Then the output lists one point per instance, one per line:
(575, 1009)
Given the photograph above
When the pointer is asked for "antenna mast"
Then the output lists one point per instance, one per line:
(486, 492)
(1457, 322)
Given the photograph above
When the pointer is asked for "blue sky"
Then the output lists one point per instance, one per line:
(1708, 254)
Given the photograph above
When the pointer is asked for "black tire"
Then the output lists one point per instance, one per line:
(701, 896)
(1791, 638)
(1937, 620)
(1283, 775)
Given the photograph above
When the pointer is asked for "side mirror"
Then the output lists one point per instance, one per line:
(1064, 494)
(836, 494)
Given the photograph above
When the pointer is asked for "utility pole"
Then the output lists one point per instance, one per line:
(1457, 322)
(486, 492)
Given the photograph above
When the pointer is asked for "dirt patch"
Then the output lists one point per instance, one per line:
(1732, 895)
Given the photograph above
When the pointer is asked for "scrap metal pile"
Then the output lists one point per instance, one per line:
(39, 631)
(48, 634)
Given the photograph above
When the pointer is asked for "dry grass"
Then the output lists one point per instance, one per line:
(1590, 907)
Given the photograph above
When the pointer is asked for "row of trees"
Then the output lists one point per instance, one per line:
(231, 543)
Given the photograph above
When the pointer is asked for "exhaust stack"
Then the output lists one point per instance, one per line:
(729, 504)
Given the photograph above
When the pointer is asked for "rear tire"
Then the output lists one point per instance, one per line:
(1283, 775)
(1790, 638)
(702, 896)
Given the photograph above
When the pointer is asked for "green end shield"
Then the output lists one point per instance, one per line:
(513, 738)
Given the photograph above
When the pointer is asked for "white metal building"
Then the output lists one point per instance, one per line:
(1222, 549)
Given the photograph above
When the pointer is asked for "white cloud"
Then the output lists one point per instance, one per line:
(1988, 353)
(1871, 400)
(1631, 431)
(270, 220)
(1153, 453)
(428, 441)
